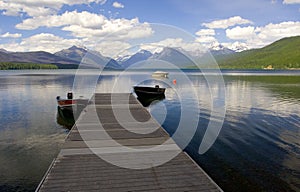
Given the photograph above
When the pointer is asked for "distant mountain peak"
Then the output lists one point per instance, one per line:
(74, 47)
(74, 53)
(4, 51)
(217, 46)
(238, 47)
(128, 60)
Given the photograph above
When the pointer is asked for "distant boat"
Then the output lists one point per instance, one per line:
(142, 91)
(269, 67)
(160, 74)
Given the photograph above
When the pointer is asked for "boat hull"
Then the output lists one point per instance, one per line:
(160, 74)
(148, 91)
(70, 103)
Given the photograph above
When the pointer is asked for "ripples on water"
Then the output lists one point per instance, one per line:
(258, 148)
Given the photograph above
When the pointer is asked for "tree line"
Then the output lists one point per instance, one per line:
(18, 66)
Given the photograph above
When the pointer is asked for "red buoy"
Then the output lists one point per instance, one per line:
(174, 81)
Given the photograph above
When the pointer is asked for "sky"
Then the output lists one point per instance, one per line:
(109, 26)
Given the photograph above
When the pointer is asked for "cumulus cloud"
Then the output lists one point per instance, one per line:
(262, 36)
(113, 29)
(225, 23)
(43, 41)
(291, 1)
(36, 8)
(52, 43)
(240, 33)
(273, 32)
(11, 35)
(203, 32)
(111, 48)
(118, 5)
(90, 25)
(206, 39)
(84, 19)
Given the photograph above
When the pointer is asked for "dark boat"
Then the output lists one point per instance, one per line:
(146, 101)
(146, 95)
(145, 92)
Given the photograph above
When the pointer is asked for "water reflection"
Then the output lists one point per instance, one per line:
(259, 136)
(258, 148)
(29, 136)
(65, 118)
(146, 101)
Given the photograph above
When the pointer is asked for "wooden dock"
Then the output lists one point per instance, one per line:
(107, 156)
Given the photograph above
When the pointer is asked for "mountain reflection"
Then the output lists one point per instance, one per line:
(257, 149)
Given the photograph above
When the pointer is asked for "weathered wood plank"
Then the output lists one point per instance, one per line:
(80, 165)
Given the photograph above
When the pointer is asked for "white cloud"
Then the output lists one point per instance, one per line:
(206, 39)
(204, 32)
(118, 5)
(111, 48)
(14, 8)
(291, 1)
(113, 29)
(35, 8)
(240, 33)
(273, 32)
(11, 35)
(43, 41)
(262, 36)
(84, 19)
(90, 25)
(225, 23)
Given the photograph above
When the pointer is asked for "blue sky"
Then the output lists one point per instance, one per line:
(32, 25)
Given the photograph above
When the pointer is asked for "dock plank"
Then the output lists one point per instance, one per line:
(98, 132)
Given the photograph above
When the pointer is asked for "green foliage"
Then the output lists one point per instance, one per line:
(67, 66)
(15, 66)
(282, 54)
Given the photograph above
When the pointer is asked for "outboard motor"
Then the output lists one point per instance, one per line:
(70, 95)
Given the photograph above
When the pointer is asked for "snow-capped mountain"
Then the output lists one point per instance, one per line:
(121, 58)
(141, 55)
(238, 47)
(219, 49)
(174, 56)
(78, 53)
(4, 51)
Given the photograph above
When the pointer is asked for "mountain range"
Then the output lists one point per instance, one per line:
(280, 54)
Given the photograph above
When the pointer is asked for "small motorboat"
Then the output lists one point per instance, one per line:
(142, 91)
(70, 104)
(160, 74)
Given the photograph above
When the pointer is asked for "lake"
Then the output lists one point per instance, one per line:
(258, 148)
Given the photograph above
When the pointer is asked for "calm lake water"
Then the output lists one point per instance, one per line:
(258, 148)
